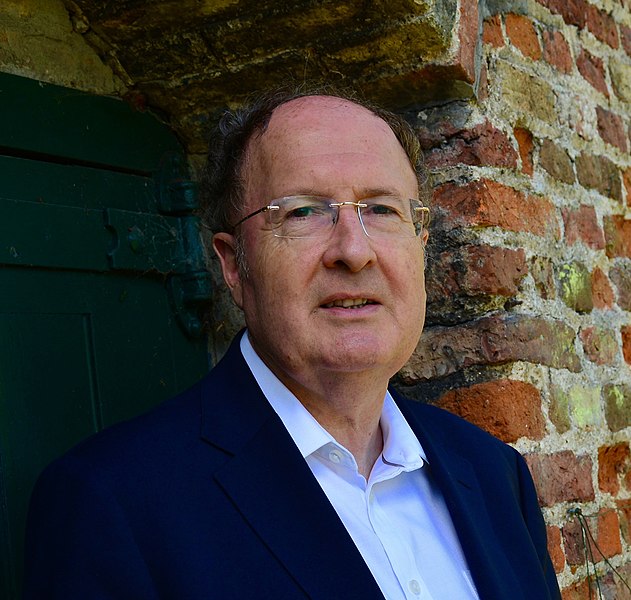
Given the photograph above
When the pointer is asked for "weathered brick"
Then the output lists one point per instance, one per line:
(573, 543)
(525, 144)
(492, 31)
(491, 341)
(617, 406)
(626, 180)
(624, 515)
(556, 51)
(625, 332)
(621, 79)
(617, 236)
(526, 93)
(506, 409)
(581, 224)
(559, 410)
(576, 591)
(611, 128)
(625, 34)
(481, 145)
(473, 270)
(599, 173)
(467, 38)
(555, 549)
(522, 34)
(542, 271)
(556, 161)
(574, 12)
(600, 345)
(614, 465)
(561, 477)
(603, 26)
(607, 533)
(620, 275)
(485, 203)
(575, 287)
(578, 405)
(602, 292)
(592, 69)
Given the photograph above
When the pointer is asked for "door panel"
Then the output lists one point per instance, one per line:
(88, 332)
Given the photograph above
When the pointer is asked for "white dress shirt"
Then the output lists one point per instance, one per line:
(398, 518)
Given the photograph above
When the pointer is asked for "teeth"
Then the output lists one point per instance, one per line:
(348, 303)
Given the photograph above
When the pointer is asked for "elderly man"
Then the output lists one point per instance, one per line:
(291, 471)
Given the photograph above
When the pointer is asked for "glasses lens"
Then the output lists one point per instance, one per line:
(302, 216)
(392, 217)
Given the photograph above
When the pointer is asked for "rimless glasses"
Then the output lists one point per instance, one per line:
(315, 216)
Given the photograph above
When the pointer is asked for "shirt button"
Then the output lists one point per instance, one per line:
(414, 586)
(335, 456)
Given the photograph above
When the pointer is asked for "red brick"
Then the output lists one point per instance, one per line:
(525, 144)
(602, 25)
(625, 332)
(592, 69)
(617, 236)
(573, 543)
(468, 38)
(555, 549)
(624, 515)
(562, 477)
(607, 534)
(614, 464)
(599, 173)
(492, 32)
(522, 34)
(483, 145)
(556, 51)
(492, 341)
(611, 128)
(474, 270)
(600, 345)
(485, 203)
(626, 180)
(602, 292)
(574, 12)
(625, 34)
(581, 224)
(577, 591)
(507, 409)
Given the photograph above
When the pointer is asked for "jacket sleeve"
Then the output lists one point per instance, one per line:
(78, 542)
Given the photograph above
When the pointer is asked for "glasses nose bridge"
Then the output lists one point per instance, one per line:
(358, 208)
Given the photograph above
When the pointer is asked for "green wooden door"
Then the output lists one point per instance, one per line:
(101, 275)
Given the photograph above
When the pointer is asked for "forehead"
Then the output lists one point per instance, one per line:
(321, 137)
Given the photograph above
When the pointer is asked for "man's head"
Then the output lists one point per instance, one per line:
(332, 299)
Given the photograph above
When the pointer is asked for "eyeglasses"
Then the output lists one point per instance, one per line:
(315, 216)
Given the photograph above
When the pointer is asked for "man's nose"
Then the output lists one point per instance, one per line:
(349, 244)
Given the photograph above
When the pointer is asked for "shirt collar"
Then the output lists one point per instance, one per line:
(401, 447)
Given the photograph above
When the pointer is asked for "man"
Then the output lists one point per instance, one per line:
(290, 471)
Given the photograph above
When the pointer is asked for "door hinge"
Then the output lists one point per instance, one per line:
(189, 285)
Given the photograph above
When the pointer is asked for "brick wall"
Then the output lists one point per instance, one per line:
(529, 322)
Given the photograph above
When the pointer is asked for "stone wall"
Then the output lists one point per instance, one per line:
(529, 282)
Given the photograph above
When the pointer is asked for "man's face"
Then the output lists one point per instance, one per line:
(292, 289)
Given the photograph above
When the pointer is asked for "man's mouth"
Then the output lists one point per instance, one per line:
(348, 303)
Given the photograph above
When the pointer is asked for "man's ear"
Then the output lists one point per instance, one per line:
(224, 245)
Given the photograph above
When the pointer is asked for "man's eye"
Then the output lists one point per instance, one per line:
(382, 209)
(303, 212)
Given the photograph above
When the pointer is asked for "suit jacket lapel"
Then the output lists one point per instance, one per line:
(271, 485)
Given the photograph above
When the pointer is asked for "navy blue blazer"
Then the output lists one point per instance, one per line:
(207, 497)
